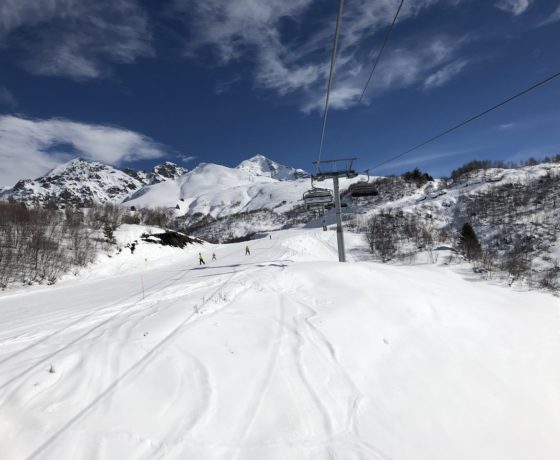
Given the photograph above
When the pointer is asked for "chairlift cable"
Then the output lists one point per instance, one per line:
(331, 72)
(465, 122)
(385, 40)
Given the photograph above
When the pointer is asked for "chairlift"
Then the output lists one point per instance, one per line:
(363, 188)
(318, 197)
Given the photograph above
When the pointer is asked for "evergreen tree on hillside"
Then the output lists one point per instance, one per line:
(468, 243)
(108, 232)
(418, 177)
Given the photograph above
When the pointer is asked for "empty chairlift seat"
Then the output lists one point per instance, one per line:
(363, 189)
(318, 198)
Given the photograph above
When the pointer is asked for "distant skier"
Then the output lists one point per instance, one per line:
(201, 259)
(213, 256)
(247, 251)
(270, 236)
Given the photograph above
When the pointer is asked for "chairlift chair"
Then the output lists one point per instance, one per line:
(318, 198)
(363, 188)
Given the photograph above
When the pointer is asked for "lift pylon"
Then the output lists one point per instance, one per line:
(335, 173)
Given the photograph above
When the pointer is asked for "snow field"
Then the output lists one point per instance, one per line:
(284, 354)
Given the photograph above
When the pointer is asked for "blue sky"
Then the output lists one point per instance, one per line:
(134, 83)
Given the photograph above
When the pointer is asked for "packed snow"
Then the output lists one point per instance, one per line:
(280, 354)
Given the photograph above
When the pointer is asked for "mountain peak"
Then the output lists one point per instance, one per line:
(169, 170)
(78, 181)
(83, 182)
(259, 165)
(73, 165)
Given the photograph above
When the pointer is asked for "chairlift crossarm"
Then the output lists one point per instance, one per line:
(322, 175)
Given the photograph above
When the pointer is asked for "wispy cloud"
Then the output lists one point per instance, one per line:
(445, 74)
(515, 7)
(7, 98)
(185, 158)
(507, 126)
(74, 38)
(421, 160)
(554, 17)
(29, 148)
(292, 65)
(223, 86)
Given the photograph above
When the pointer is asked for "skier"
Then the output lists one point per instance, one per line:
(213, 256)
(247, 251)
(270, 236)
(201, 259)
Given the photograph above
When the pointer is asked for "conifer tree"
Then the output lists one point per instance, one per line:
(468, 243)
(108, 233)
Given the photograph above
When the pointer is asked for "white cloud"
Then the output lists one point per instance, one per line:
(29, 148)
(74, 38)
(403, 67)
(444, 74)
(290, 64)
(515, 7)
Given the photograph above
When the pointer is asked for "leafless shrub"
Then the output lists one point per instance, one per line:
(159, 217)
(550, 278)
(393, 233)
(40, 244)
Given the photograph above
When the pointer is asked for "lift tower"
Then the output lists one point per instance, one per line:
(335, 173)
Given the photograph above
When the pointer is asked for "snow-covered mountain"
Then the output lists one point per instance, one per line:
(214, 191)
(259, 165)
(82, 182)
(160, 173)
(219, 191)
(224, 190)
(511, 209)
(79, 182)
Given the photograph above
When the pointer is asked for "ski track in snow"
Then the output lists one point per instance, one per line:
(264, 383)
(255, 357)
(133, 372)
(119, 314)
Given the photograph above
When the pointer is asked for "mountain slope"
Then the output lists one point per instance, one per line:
(78, 182)
(311, 358)
(218, 191)
(81, 182)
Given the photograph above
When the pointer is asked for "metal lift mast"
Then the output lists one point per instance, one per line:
(335, 174)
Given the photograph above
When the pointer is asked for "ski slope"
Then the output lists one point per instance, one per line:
(283, 354)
